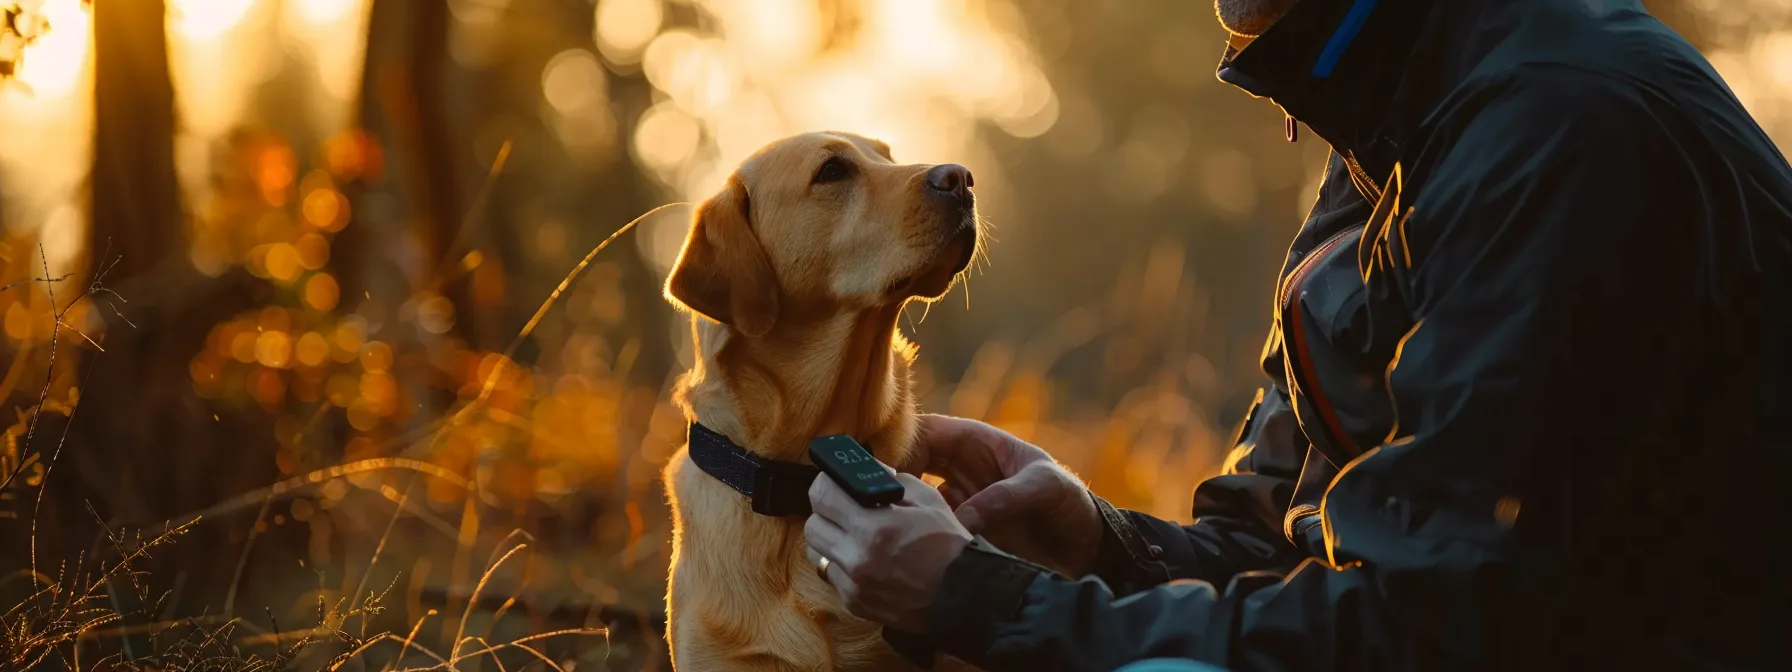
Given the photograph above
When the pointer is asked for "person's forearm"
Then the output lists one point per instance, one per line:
(1139, 551)
(1239, 514)
(1000, 613)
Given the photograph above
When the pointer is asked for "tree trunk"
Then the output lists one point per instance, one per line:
(143, 447)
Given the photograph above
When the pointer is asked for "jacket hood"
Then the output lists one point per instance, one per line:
(1363, 74)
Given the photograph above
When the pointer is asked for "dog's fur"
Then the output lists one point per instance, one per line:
(796, 286)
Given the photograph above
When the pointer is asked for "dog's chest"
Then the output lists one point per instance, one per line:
(741, 582)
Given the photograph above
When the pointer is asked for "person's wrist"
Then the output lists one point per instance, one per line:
(956, 540)
(983, 587)
(1083, 534)
(1124, 560)
(1090, 547)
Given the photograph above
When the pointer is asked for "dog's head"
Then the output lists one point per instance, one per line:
(825, 222)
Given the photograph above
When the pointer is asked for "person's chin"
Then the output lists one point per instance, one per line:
(1250, 17)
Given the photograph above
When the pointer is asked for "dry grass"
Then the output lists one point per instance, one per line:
(80, 610)
(1143, 451)
(83, 608)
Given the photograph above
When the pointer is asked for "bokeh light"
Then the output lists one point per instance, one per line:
(919, 74)
(208, 19)
(364, 258)
(573, 80)
(623, 27)
(58, 59)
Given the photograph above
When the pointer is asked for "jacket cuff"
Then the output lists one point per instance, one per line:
(1126, 561)
(982, 588)
(916, 649)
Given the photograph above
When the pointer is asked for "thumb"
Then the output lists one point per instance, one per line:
(1015, 497)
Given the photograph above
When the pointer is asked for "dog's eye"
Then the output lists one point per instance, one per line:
(832, 170)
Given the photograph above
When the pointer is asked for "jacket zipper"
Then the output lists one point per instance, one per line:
(1306, 263)
(1291, 522)
(1303, 356)
(1368, 187)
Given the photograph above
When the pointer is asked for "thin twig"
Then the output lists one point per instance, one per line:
(530, 638)
(440, 276)
(319, 476)
(549, 661)
(44, 483)
(415, 628)
(381, 546)
(93, 285)
(491, 380)
(462, 630)
(43, 394)
(28, 281)
(242, 559)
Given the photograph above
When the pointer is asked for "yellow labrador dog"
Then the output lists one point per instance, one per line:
(796, 272)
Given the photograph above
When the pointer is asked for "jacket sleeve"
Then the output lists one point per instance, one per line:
(1238, 514)
(1550, 218)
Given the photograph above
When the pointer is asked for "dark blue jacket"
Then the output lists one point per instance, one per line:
(1529, 361)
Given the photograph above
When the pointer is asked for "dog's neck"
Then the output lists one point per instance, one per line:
(841, 373)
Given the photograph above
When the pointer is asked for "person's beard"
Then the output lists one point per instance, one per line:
(1250, 17)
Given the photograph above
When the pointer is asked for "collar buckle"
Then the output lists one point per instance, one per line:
(774, 487)
(779, 490)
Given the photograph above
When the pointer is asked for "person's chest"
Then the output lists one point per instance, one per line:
(1336, 326)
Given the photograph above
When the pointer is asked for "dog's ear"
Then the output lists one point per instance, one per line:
(723, 273)
(883, 149)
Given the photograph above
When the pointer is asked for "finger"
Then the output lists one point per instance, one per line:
(943, 428)
(958, 448)
(828, 539)
(831, 502)
(941, 435)
(841, 582)
(1004, 500)
(836, 577)
(814, 557)
(916, 492)
(952, 495)
(960, 485)
(844, 585)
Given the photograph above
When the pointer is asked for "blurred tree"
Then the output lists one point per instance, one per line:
(553, 203)
(143, 448)
(424, 109)
(415, 223)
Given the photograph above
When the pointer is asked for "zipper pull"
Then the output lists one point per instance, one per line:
(1291, 128)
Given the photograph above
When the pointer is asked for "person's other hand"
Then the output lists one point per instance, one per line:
(1011, 492)
(886, 563)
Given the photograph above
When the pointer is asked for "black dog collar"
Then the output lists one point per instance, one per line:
(776, 487)
(779, 488)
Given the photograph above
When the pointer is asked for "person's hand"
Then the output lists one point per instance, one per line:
(886, 563)
(1011, 492)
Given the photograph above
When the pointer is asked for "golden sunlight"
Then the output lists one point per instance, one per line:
(217, 51)
(923, 75)
(333, 33)
(207, 19)
(58, 59)
(1760, 73)
(49, 116)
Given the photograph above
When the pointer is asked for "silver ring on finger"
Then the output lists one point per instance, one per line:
(821, 568)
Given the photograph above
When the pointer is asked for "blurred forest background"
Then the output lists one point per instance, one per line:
(266, 263)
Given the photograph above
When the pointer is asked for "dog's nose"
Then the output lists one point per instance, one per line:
(951, 179)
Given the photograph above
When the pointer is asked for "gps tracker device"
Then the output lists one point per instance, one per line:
(855, 471)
